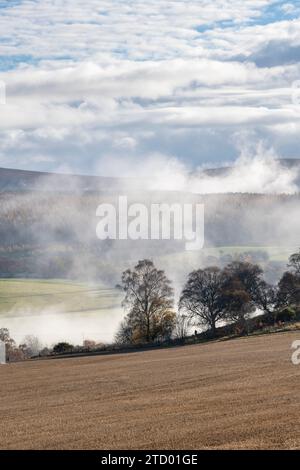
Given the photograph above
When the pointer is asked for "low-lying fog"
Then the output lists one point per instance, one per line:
(51, 327)
(270, 222)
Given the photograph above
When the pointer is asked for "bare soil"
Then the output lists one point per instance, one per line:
(237, 394)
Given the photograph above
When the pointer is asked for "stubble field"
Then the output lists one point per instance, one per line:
(238, 394)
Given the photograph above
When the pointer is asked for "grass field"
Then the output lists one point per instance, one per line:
(238, 394)
(23, 295)
(59, 310)
(20, 296)
(274, 253)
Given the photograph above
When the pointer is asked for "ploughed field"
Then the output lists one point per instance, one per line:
(237, 394)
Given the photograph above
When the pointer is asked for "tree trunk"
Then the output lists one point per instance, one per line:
(213, 329)
(148, 321)
(148, 329)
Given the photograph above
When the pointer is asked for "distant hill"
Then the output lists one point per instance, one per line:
(285, 162)
(24, 180)
(48, 227)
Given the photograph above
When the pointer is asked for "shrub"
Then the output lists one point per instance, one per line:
(62, 348)
(287, 314)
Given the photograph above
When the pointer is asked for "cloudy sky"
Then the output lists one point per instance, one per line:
(106, 86)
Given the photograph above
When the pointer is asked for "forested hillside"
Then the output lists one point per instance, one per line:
(54, 235)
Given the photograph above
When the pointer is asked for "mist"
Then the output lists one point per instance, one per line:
(51, 327)
(257, 170)
(49, 231)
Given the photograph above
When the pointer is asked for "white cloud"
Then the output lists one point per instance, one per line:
(161, 29)
(90, 80)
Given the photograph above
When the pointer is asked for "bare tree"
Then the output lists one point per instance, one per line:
(89, 344)
(289, 289)
(182, 323)
(249, 275)
(125, 333)
(13, 352)
(9, 342)
(202, 297)
(237, 302)
(267, 298)
(289, 284)
(33, 345)
(149, 302)
(294, 263)
(5, 336)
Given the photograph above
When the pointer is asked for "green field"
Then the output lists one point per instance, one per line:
(21, 296)
(18, 296)
(274, 253)
(59, 310)
(33, 295)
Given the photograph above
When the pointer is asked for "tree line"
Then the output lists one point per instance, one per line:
(221, 301)
(211, 297)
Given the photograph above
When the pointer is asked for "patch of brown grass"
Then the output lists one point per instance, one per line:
(240, 394)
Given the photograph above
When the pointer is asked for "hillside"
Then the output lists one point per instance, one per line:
(24, 180)
(239, 394)
(45, 236)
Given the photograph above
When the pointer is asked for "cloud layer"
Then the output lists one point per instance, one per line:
(92, 84)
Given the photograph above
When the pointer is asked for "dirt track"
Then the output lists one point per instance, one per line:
(236, 394)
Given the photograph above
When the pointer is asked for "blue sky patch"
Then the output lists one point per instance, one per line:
(10, 3)
(12, 62)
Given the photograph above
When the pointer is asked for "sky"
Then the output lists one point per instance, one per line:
(105, 87)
